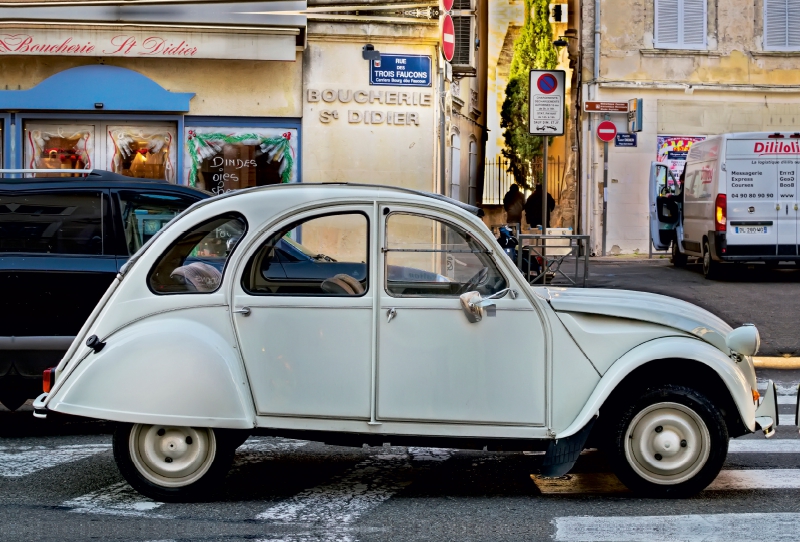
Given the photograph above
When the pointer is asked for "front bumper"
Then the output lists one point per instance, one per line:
(767, 411)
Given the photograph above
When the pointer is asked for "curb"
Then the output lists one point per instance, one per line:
(764, 362)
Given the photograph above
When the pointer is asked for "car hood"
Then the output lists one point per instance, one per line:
(653, 308)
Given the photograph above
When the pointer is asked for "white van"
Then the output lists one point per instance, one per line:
(739, 202)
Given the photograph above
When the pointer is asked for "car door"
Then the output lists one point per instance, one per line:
(664, 211)
(435, 366)
(306, 331)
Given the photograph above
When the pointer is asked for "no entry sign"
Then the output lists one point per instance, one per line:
(447, 5)
(448, 38)
(546, 105)
(606, 131)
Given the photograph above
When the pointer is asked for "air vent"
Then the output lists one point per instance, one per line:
(464, 57)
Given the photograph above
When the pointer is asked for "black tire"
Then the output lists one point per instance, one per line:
(217, 462)
(12, 399)
(712, 269)
(678, 258)
(662, 415)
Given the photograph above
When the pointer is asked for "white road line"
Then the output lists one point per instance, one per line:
(786, 419)
(728, 480)
(764, 446)
(787, 399)
(118, 499)
(17, 461)
(340, 502)
(778, 527)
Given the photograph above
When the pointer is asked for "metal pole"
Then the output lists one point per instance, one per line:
(442, 135)
(544, 209)
(605, 194)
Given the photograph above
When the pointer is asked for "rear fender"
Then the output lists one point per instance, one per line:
(669, 347)
(161, 370)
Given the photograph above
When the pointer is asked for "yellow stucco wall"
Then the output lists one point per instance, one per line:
(223, 87)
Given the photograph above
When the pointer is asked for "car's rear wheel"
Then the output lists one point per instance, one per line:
(711, 268)
(172, 464)
(671, 442)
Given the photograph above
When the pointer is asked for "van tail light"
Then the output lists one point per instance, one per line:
(48, 379)
(721, 212)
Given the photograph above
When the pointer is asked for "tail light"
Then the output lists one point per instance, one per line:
(48, 379)
(721, 212)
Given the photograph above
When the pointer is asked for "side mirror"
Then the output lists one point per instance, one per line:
(475, 307)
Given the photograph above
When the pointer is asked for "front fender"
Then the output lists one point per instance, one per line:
(669, 347)
(161, 370)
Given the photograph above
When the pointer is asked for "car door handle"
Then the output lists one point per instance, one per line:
(390, 314)
(244, 311)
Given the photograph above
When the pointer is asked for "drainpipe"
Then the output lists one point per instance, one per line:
(592, 191)
(442, 136)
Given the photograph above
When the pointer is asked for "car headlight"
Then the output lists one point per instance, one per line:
(744, 340)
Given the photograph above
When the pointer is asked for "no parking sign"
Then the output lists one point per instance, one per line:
(546, 106)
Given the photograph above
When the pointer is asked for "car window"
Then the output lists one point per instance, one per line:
(430, 257)
(195, 263)
(54, 222)
(319, 256)
(144, 214)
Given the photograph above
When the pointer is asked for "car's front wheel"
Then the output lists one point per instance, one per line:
(671, 442)
(172, 464)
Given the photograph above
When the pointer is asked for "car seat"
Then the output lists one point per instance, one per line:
(342, 284)
(198, 276)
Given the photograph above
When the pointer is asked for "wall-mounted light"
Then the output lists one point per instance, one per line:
(368, 52)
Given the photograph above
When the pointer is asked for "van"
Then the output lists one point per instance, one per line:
(738, 202)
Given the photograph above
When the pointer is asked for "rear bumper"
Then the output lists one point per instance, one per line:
(27, 357)
(722, 251)
(39, 410)
(767, 411)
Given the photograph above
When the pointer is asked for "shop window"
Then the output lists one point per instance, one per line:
(59, 146)
(143, 215)
(146, 152)
(331, 259)
(429, 257)
(220, 159)
(195, 263)
(53, 223)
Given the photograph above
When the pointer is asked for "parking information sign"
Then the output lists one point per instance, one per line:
(401, 71)
(546, 107)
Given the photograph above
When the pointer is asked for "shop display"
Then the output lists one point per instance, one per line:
(225, 159)
(59, 147)
(142, 151)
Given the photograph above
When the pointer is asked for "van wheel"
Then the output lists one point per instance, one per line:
(171, 464)
(711, 269)
(678, 258)
(671, 442)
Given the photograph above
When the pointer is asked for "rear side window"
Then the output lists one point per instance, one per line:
(144, 214)
(195, 263)
(54, 222)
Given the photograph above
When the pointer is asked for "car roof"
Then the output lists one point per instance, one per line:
(94, 179)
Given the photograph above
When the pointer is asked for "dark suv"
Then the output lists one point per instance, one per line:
(62, 241)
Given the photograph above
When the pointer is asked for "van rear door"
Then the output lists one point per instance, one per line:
(664, 212)
(752, 170)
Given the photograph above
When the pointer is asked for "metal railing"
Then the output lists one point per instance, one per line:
(497, 178)
(542, 258)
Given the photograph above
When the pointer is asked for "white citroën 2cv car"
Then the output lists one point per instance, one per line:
(363, 314)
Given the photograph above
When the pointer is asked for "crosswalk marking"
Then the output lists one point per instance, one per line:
(255, 449)
(780, 527)
(19, 461)
(118, 499)
(338, 503)
(727, 480)
(765, 446)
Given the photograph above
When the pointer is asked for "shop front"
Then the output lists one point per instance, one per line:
(213, 108)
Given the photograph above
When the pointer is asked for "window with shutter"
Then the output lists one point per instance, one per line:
(681, 24)
(782, 25)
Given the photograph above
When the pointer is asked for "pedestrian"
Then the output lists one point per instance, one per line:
(514, 203)
(533, 208)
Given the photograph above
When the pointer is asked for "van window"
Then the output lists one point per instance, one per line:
(54, 222)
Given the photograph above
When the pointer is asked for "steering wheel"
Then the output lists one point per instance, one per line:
(473, 283)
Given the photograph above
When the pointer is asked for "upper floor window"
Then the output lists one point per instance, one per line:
(781, 25)
(680, 24)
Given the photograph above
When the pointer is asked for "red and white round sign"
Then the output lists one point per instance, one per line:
(447, 5)
(448, 37)
(606, 131)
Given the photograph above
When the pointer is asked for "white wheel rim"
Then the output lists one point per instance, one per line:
(172, 456)
(667, 443)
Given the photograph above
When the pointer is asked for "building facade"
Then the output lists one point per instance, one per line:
(227, 95)
(701, 68)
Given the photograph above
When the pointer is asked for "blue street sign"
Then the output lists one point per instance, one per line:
(401, 71)
(625, 140)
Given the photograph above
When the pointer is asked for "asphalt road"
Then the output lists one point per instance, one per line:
(58, 482)
(747, 294)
